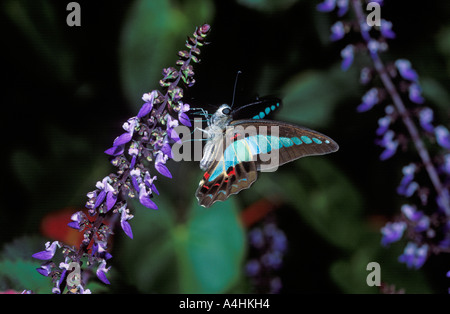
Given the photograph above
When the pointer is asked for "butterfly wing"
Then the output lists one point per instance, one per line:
(228, 182)
(248, 146)
(286, 142)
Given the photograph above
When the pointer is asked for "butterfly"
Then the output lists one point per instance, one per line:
(241, 142)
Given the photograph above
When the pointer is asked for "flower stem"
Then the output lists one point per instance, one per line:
(401, 109)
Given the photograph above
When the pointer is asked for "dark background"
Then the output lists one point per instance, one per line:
(66, 92)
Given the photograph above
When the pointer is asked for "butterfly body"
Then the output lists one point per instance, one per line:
(237, 149)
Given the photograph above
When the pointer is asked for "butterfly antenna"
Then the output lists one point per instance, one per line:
(234, 89)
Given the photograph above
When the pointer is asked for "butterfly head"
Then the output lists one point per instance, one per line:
(222, 117)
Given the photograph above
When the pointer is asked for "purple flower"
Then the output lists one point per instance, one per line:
(425, 118)
(415, 93)
(442, 136)
(408, 177)
(342, 7)
(411, 212)
(369, 100)
(160, 164)
(414, 256)
(337, 31)
(252, 268)
(124, 217)
(78, 219)
(101, 272)
(326, 6)
(405, 70)
(49, 252)
(386, 29)
(149, 99)
(389, 144)
(148, 180)
(375, 46)
(383, 125)
(105, 192)
(365, 75)
(182, 116)
(256, 238)
(171, 125)
(99, 249)
(120, 141)
(144, 198)
(347, 55)
(392, 232)
(272, 259)
(45, 268)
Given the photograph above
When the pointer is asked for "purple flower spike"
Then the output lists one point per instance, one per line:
(49, 252)
(442, 136)
(101, 272)
(326, 6)
(392, 232)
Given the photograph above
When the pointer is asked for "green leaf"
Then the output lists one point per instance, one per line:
(21, 275)
(201, 255)
(153, 33)
(311, 97)
(326, 199)
(211, 249)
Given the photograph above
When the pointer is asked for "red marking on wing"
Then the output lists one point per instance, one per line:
(206, 187)
(206, 176)
(231, 172)
(217, 184)
(235, 136)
